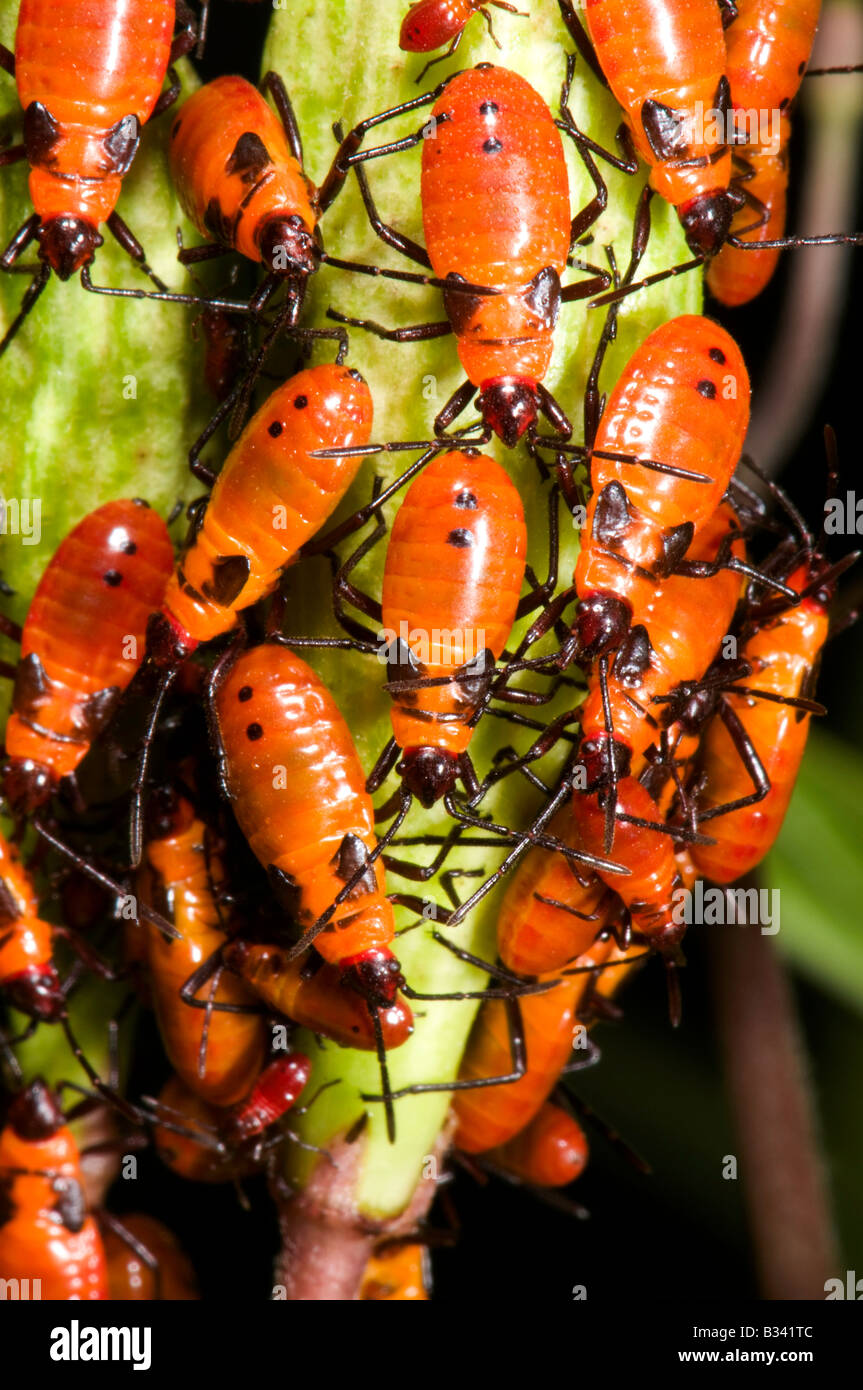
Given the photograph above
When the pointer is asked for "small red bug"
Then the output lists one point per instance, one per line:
(46, 1236)
(88, 79)
(218, 1055)
(551, 1151)
(429, 24)
(452, 577)
(28, 976)
(199, 1141)
(498, 229)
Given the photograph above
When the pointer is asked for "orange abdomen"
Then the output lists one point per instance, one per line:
(397, 1275)
(496, 211)
(90, 66)
(131, 1279)
(452, 578)
(548, 916)
(182, 879)
(84, 634)
(784, 656)
(490, 1116)
(552, 1151)
(735, 277)
(269, 498)
(26, 941)
(232, 166)
(769, 45)
(671, 54)
(298, 791)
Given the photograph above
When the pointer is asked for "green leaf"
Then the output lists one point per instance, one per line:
(821, 928)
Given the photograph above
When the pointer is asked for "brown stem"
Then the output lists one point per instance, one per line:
(767, 1084)
(326, 1243)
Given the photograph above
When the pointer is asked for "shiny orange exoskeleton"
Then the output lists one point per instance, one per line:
(148, 1263)
(549, 913)
(551, 1151)
(217, 1053)
(311, 822)
(490, 1116)
(238, 171)
(666, 64)
(648, 890)
(496, 214)
(313, 994)
(210, 1144)
(397, 1274)
(784, 656)
(683, 401)
(45, 1232)
(271, 495)
(82, 643)
(675, 632)
(28, 976)
(89, 77)
(769, 45)
(452, 577)
(735, 277)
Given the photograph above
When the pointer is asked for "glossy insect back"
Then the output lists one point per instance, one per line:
(146, 1262)
(769, 45)
(238, 180)
(45, 1232)
(452, 578)
(88, 79)
(269, 498)
(429, 24)
(735, 277)
(681, 401)
(666, 64)
(500, 144)
(551, 1151)
(298, 792)
(784, 655)
(83, 640)
(217, 1054)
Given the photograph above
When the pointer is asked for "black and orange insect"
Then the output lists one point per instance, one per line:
(89, 78)
(667, 66)
(271, 495)
(82, 642)
(498, 229)
(429, 24)
(210, 1144)
(452, 578)
(219, 1053)
(736, 276)
(46, 1234)
(551, 1151)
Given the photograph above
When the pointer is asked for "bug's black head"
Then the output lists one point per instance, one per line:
(36, 993)
(428, 773)
(34, 1114)
(67, 244)
(597, 755)
(706, 221)
(508, 406)
(288, 247)
(26, 785)
(602, 620)
(376, 975)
